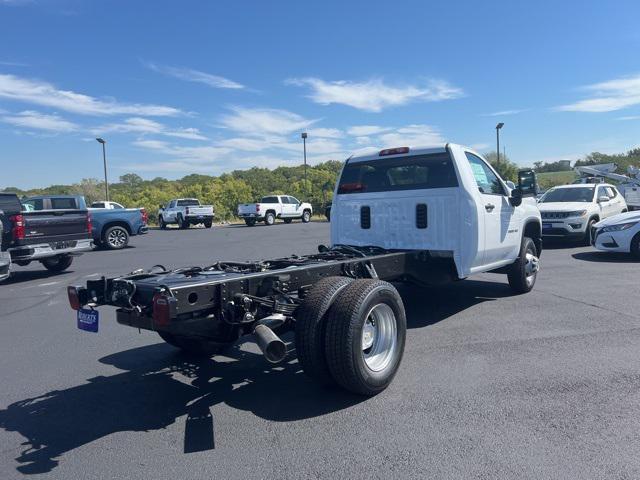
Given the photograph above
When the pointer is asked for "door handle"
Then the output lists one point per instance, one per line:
(489, 207)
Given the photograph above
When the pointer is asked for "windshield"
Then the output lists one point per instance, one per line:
(404, 173)
(188, 203)
(581, 194)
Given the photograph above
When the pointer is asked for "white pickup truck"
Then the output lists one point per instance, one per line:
(271, 207)
(414, 215)
(571, 211)
(185, 212)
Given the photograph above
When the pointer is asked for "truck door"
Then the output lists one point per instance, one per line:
(294, 207)
(501, 226)
(288, 207)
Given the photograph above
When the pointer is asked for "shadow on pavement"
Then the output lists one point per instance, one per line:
(605, 257)
(159, 385)
(19, 276)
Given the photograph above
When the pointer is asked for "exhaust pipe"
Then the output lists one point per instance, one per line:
(272, 347)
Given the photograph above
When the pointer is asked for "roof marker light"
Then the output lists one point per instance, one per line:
(393, 151)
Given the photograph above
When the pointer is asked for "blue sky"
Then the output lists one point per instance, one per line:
(207, 87)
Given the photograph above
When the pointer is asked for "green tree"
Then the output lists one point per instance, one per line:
(506, 168)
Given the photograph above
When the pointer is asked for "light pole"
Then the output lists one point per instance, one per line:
(498, 127)
(304, 147)
(104, 159)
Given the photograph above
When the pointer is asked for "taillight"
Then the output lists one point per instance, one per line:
(162, 308)
(18, 226)
(257, 207)
(145, 216)
(74, 297)
(393, 151)
(89, 224)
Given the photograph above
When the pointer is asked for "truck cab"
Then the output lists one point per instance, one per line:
(445, 200)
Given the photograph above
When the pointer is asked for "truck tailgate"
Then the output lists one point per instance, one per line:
(46, 226)
(246, 208)
(201, 210)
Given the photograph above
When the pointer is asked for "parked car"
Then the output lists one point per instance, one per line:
(620, 233)
(111, 227)
(52, 236)
(419, 215)
(108, 205)
(271, 207)
(571, 211)
(185, 212)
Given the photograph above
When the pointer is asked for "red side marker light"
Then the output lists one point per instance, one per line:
(162, 309)
(74, 298)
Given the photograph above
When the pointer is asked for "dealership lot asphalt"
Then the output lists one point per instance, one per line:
(545, 385)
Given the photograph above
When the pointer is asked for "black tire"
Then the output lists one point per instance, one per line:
(162, 223)
(344, 338)
(288, 220)
(635, 246)
(182, 223)
(588, 234)
(115, 238)
(208, 224)
(521, 280)
(310, 331)
(269, 219)
(57, 264)
(306, 216)
(250, 222)
(193, 346)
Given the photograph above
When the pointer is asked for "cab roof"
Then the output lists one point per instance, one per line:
(404, 151)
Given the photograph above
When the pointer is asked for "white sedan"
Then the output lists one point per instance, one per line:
(620, 233)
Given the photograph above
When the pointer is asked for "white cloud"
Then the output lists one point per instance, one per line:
(204, 154)
(144, 125)
(366, 130)
(412, 135)
(630, 117)
(264, 121)
(502, 113)
(45, 94)
(374, 95)
(608, 96)
(40, 121)
(325, 133)
(196, 76)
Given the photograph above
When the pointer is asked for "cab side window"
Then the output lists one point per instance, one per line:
(611, 192)
(602, 192)
(488, 182)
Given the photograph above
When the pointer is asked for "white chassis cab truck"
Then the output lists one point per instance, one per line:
(185, 212)
(271, 207)
(419, 215)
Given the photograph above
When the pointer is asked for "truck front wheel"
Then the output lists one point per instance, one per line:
(162, 223)
(306, 216)
(57, 264)
(193, 346)
(524, 271)
(311, 328)
(366, 330)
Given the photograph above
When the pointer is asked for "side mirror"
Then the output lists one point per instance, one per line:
(516, 197)
(510, 184)
(603, 199)
(527, 183)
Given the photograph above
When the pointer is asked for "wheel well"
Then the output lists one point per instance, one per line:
(125, 225)
(533, 230)
(270, 211)
(595, 217)
(307, 210)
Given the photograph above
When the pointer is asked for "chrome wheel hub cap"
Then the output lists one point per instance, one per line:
(117, 238)
(531, 267)
(379, 337)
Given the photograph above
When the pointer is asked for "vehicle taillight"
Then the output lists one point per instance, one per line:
(257, 207)
(393, 151)
(89, 224)
(145, 216)
(18, 226)
(162, 308)
(74, 297)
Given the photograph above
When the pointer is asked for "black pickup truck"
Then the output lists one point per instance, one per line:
(52, 237)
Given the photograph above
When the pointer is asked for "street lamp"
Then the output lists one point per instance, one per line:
(304, 146)
(104, 159)
(498, 127)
